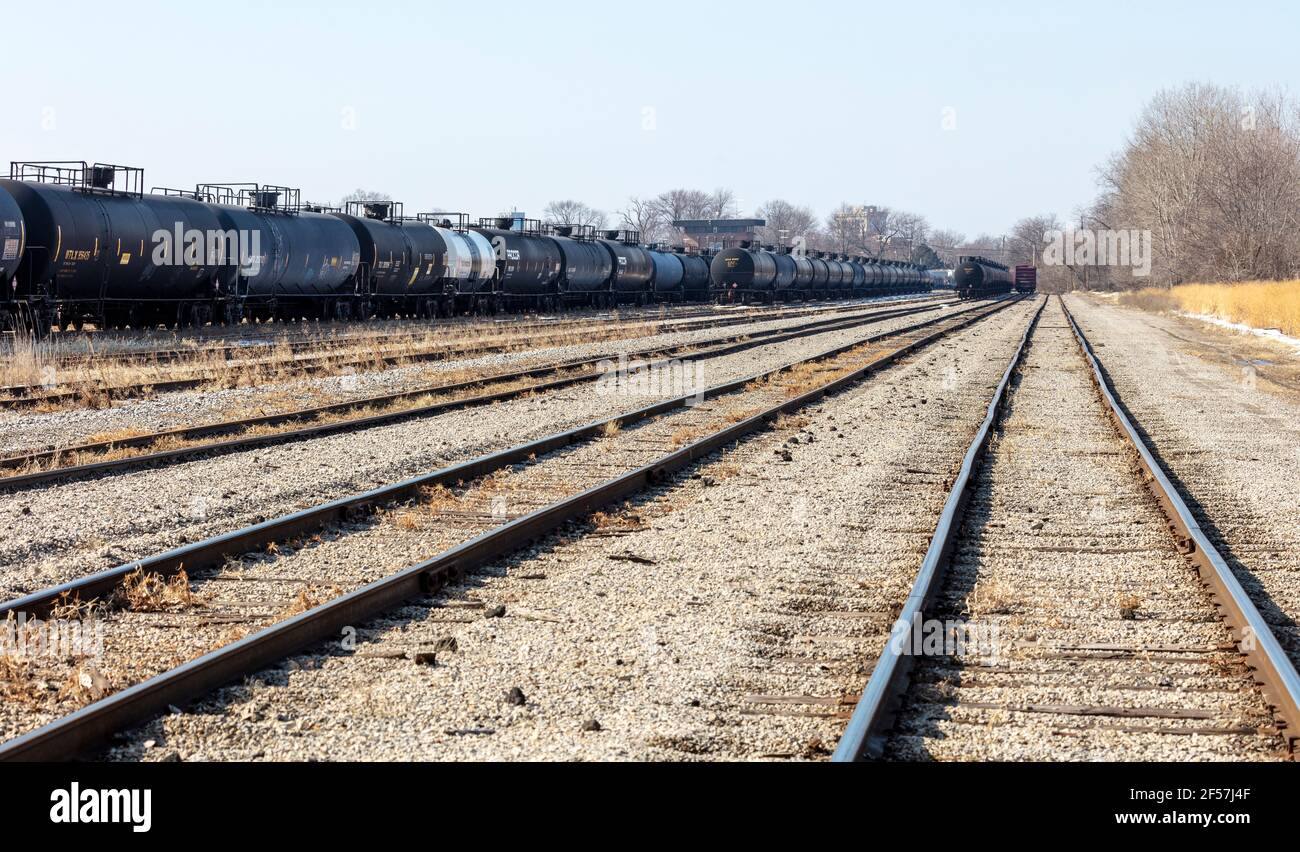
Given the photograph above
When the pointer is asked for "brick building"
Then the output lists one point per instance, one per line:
(718, 234)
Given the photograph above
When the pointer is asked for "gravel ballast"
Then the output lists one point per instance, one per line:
(68, 530)
(1094, 637)
(657, 632)
(1228, 435)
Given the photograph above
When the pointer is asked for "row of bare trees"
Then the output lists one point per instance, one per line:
(878, 232)
(1213, 174)
(651, 216)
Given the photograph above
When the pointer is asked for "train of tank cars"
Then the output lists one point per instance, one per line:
(84, 243)
(979, 277)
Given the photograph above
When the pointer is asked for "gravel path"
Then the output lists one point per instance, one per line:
(26, 431)
(68, 530)
(654, 632)
(1099, 640)
(1230, 439)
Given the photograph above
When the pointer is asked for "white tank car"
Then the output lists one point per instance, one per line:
(485, 260)
(471, 262)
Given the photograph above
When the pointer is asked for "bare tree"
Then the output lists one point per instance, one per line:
(676, 205)
(948, 245)
(679, 204)
(364, 196)
(570, 212)
(1214, 175)
(786, 223)
(895, 234)
(643, 215)
(847, 229)
(722, 205)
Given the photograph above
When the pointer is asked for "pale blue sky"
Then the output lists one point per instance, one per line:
(487, 106)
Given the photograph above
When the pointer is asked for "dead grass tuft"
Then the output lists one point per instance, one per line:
(70, 607)
(84, 685)
(409, 521)
(1129, 607)
(993, 597)
(18, 681)
(310, 598)
(143, 592)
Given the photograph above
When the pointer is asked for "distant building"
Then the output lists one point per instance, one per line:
(718, 234)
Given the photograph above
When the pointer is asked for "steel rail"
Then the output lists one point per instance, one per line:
(78, 732)
(874, 712)
(726, 345)
(1273, 669)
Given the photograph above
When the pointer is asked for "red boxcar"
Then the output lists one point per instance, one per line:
(1026, 279)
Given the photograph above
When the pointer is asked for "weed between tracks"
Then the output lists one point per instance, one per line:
(73, 457)
(49, 364)
(993, 597)
(310, 598)
(142, 592)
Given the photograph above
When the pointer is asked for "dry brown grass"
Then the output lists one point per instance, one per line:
(18, 681)
(1258, 304)
(740, 415)
(1129, 607)
(84, 685)
(993, 597)
(276, 362)
(724, 470)
(234, 633)
(618, 521)
(28, 362)
(116, 435)
(143, 592)
(438, 498)
(687, 435)
(1151, 299)
(409, 522)
(69, 607)
(310, 598)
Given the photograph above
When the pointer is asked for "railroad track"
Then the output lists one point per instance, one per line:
(277, 584)
(1060, 587)
(217, 337)
(25, 397)
(279, 337)
(173, 445)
